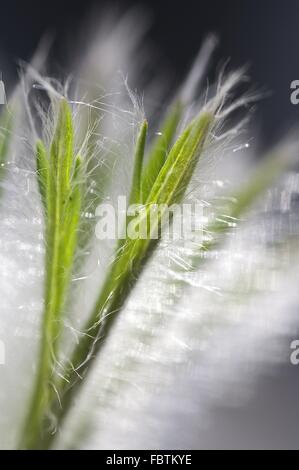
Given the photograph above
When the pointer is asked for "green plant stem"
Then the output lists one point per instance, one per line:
(58, 178)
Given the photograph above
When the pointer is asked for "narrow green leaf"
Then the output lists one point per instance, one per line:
(175, 175)
(160, 148)
(59, 184)
(135, 196)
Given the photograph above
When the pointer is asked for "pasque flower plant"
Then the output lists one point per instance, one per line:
(76, 148)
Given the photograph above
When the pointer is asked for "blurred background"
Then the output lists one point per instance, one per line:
(262, 34)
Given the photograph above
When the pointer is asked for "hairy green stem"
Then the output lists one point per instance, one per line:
(59, 183)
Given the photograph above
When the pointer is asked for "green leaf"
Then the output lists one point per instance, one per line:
(175, 175)
(59, 184)
(136, 196)
(160, 148)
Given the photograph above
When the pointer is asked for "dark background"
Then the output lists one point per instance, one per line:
(263, 34)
